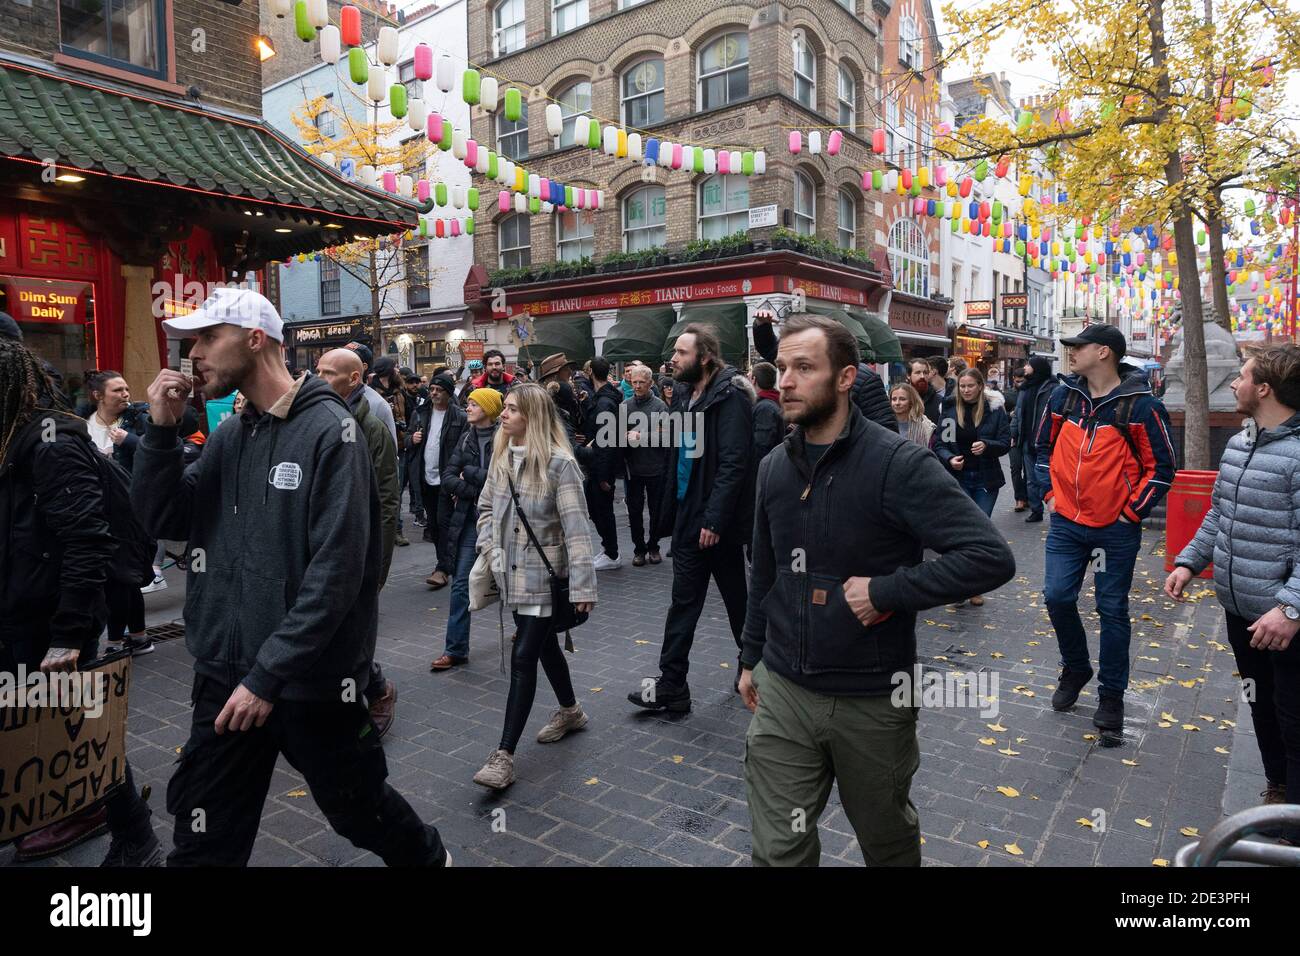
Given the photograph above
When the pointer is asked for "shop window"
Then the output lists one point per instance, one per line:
(645, 216)
(417, 277)
(724, 206)
(724, 71)
(128, 34)
(330, 293)
(643, 93)
(909, 258)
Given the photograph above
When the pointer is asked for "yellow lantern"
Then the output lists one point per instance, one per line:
(923, 176)
(952, 189)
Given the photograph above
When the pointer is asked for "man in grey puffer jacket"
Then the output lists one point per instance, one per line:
(1251, 533)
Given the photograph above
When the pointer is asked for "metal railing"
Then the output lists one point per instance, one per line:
(1225, 842)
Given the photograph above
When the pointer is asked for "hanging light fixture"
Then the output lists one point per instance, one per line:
(387, 45)
(265, 49)
(318, 13)
(488, 93)
(280, 8)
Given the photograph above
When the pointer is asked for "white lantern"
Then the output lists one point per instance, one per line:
(327, 159)
(666, 155)
(377, 86)
(459, 144)
(505, 175)
(815, 142)
(521, 202)
(710, 162)
(458, 197)
(534, 186)
(416, 113)
(611, 140)
(634, 147)
(281, 8)
(405, 185)
(547, 207)
(445, 75)
(487, 93)
(735, 160)
(891, 181)
(368, 175)
(318, 13)
(760, 163)
(387, 45)
(481, 160)
(600, 198)
(554, 119)
(581, 129)
(331, 43)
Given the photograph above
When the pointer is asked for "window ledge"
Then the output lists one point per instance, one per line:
(126, 76)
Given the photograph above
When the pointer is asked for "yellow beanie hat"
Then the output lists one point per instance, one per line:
(488, 399)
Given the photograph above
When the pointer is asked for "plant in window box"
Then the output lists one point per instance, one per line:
(783, 238)
(736, 244)
(615, 262)
(649, 258)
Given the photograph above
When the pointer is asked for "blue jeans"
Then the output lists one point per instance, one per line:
(1111, 553)
(458, 614)
(983, 497)
(1033, 486)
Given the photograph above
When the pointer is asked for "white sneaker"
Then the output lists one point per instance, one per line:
(159, 584)
(604, 562)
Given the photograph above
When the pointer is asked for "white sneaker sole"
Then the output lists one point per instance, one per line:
(542, 739)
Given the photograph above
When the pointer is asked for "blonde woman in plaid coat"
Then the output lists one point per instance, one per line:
(532, 449)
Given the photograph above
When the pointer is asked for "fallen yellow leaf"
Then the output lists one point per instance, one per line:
(1190, 727)
(592, 781)
(1129, 763)
(1085, 822)
(1165, 715)
(983, 844)
(597, 690)
(1089, 736)
(996, 728)
(1009, 791)
(988, 741)
(1010, 753)
(296, 793)
(642, 642)
(678, 758)
(1190, 831)
(1222, 750)
(1014, 850)
(1164, 723)
(1142, 823)
(1159, 861)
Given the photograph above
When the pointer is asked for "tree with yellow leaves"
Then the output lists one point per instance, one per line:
(1156, 113)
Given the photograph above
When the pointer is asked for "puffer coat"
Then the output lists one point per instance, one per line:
(1252, 531)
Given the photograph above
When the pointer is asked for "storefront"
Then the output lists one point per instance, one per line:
(993, 350)
(419, 341)
(921, 326)
(305, 344)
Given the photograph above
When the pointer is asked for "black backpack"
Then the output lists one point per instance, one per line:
(1123, 415)
(132, 563)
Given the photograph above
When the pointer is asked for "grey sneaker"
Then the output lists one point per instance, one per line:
(499, 771)
(562, 721)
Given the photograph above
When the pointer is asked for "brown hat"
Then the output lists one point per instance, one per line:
(551, 365)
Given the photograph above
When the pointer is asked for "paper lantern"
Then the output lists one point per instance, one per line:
(350, 25)
(651, 151)
(724, 162)
(458, 197)
(435, 127)
(620, 144)
(521, 181)
(923, 177)
(877, 179)
(424, 226)
(634, 147)
(440, 194)
(390, 182)
(735, 161)
(534, 205)
(459, 144)
(918, 206)
(302, 23)
(281, 8)
(368, 175)
(469, 227)
(481, 160)
(1003, 167)
(834, 143)
(546, 207)
(534, 185)
(1250, 207)
(815, 142)
(981, 170)
(487, 93)
(327, 159)
(796, 142)
(966, 185)
(445, 73)
(941, 175)
(405, 185)
(439, 229)
(331, 44)
(376, 86)
(748, 162)
(521, 202)
(580, 198)
(593, 135)
(878, 141)
(677, 155)
(469, 87)
(943, 129)
(581, 129)
(416, 113)
(348, 167)
(611, 140)
(568, 196)
(422, 190)
(760, 162)
(866, 180)
(397, 100)
(503, 201)
(387, 45)
(710, 162)
(554, 119)
(600, 198)
(318, 14)
(1026, 185)
(666, 155)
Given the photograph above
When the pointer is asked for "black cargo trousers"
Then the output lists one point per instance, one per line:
(221, 782)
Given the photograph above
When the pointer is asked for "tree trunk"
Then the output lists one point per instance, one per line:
(1218, 271)
(377, 334)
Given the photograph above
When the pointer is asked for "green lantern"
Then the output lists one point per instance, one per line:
(697, 159)
(469, 87)
(514, 105)
(956, 226)
(981, 170)
(747, 162)
(358, 65)
(534, 205)
(997, 211)
(1020, 248)
(916, 188)
(593, 135)
(440, 194)
(568, 196)
(397, 100)
(471, 198)
(301, 24)
(877, 180)
(424, 226)
(469, 226)
(444, 143)
(493, 165)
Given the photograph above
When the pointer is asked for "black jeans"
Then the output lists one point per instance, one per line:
(638, 489)
(535, 640)
(692, 567)
(1275, 704)
(410, 478)
(220, 784)
(600, 505)
(125, 610)
(1018, 473)
(439, 523)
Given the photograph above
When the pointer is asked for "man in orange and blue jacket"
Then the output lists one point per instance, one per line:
(1104, 459)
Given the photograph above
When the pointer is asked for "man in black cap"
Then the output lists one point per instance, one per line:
(437, 429)
(1104, 460)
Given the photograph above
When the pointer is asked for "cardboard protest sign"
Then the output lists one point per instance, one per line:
(62, 743)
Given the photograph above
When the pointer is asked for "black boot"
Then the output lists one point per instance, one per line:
(663, 697)
(1110, 713)
(1068, 687)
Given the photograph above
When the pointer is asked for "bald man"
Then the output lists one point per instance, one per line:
(342, 370)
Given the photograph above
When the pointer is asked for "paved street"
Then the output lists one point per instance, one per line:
(636, 789)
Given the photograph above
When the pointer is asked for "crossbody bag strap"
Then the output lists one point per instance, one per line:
(519, 512)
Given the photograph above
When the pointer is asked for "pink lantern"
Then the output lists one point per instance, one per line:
(580, 197)
(435, 127)
(503, 201)
(390, 182)
(724, 161)
(866, 179)
(941, 175)
(422, 190)
(471, 153)
(796, 141)
(423, 61)
(677, 155)
(943, 129)
(834, 142)
(918, 206)
(455, 227)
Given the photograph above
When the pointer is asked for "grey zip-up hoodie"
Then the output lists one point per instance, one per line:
(286, 512)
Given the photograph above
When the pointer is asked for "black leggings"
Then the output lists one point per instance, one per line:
(125, 610)
(535, 640)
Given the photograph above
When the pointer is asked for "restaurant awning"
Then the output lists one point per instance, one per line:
(638, 336)
(728, 321)
(865, 352)
(125, 136)
(570, 334)
(884, 340)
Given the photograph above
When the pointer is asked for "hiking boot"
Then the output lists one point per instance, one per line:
(1034, 516)
(1068, 687)
(499, 771)
(663, 697)
(638, 560)
(1273, 794)
(438, 579)
(122, 853)
(383, 709)
(562, 722)
(1110, 714)
(655, 557)
(400, 541)
(447, 662)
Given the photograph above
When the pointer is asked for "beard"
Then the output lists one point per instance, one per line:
(219, 384)
(689, 374)
(1247, 403)
(816, 408)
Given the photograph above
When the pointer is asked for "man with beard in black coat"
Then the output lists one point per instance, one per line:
(1034, 395)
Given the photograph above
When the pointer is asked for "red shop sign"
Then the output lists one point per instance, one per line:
(663, 295)
(46, 300)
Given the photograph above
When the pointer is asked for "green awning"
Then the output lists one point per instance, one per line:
(570, 334)
(638, 336)
(96, 127)
(884, 341)
(728, 321)
(865, 351)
